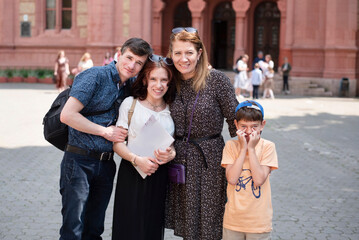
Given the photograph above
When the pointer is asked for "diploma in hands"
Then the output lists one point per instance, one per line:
(151, 137)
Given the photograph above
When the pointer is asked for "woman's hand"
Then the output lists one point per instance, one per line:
(147, 165)
(165, 156)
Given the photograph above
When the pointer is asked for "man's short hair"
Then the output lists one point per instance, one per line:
(137, 46)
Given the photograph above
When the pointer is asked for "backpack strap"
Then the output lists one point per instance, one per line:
(130, 112)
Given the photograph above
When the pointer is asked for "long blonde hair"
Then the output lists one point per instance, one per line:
(201, 71)
(86, 55)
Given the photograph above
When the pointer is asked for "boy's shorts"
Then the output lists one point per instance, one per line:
(234, 235)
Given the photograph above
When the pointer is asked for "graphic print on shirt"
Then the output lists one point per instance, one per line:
(244, 180)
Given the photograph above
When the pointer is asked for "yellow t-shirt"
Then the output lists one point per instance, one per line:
(249, 209)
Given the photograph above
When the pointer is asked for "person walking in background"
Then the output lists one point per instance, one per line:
(61, 70)
(84, 64)
(248, 161)
(118, 49)
(139, 205)
(88, 168)
(286, 67)
(268, 83)
(268, 59)
(256, 78)
(259, 57)
(107, 60)
(241, 79)
(204, 98)
(236, 83)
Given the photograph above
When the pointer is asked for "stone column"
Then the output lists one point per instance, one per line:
(283, 48)
(196, 7)
(147, 21)
(157, 8)
(240, 7)
(58, 17)
(340, 41)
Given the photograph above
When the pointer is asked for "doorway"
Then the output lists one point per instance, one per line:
(182, 16)
(223, 36)
(266, 30)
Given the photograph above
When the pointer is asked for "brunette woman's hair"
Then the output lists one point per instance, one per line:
(139, 87)
(59, 54)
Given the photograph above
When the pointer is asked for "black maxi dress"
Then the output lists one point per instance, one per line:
(140, 203)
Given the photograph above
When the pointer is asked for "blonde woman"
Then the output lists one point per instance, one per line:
(84, 64)
(205, 97)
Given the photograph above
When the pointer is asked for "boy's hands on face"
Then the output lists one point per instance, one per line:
(254, 138)
(242, 139)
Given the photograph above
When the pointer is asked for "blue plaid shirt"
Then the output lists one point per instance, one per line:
(97, 89)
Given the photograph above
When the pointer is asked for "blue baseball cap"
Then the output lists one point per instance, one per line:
(249, 104)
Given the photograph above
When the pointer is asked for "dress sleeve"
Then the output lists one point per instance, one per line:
(227, 100)
(122, 120)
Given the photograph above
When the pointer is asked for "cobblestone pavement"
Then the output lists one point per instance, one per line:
(315, 191)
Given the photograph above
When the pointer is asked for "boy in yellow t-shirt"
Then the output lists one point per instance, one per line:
(248, 162)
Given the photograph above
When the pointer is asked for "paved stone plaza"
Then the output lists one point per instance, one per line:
(315, 191)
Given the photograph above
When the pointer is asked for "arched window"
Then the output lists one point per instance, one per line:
(182, 16)
(223, 36)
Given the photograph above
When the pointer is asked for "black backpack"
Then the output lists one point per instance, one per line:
(56, 132)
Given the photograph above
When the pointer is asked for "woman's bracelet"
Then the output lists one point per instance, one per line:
(133, 160)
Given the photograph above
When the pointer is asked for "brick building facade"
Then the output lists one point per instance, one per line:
(320, 37)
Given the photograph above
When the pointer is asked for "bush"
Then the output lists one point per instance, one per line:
(3, 73)
(9, 72)
(16, 73)
(32, 73)
(24, 73)
(44, 73)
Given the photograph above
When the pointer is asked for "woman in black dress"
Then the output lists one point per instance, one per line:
(140, 202)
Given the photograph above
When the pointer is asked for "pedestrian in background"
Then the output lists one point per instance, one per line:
(236, 83)
(107, 60)
(61, 71)
(256, 78)
(84, 64)
(286, 67)
(259, 57)
(268, 83)
(241, 79)
(248, 161)
(204, 98)
(118, 49)
(268, 59)
(88, 168)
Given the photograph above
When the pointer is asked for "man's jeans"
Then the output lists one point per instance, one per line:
(86, 186)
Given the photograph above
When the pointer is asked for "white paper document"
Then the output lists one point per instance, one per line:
(151, 137)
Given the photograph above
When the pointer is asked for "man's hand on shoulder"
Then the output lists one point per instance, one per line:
(115, 134)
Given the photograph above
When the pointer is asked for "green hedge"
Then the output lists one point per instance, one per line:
(38, 73)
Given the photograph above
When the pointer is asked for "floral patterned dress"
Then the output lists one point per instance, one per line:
(195, 209)
(62, 74)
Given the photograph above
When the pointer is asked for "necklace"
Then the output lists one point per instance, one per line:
(155, 106)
